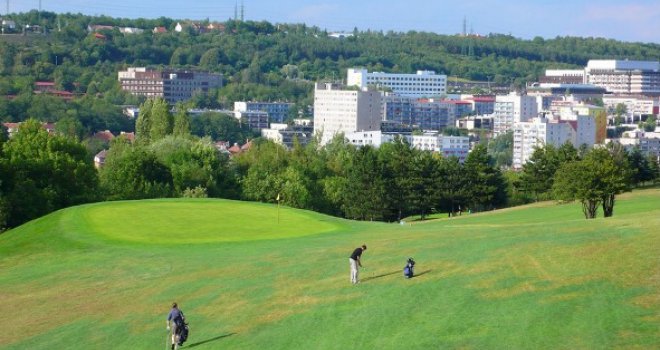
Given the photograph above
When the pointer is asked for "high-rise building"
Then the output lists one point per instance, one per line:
(339, 110)
(172, 85)
(424, 83)
(510, 109)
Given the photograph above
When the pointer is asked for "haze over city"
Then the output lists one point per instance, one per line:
(635, 21)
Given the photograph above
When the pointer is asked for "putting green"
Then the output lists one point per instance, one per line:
(178, 221)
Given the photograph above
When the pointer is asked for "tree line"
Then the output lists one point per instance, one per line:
(42, 172)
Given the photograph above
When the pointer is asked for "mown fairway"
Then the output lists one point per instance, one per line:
(103, 276)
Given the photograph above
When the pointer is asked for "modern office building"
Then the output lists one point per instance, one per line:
(278, 112)
(510, 109)
(340, 110)
(172, 85)
(424, 83)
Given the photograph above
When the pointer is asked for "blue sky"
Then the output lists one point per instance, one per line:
(635, 20)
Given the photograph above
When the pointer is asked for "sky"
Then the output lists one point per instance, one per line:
(626, 20)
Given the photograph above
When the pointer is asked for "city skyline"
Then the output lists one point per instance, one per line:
(632, 21)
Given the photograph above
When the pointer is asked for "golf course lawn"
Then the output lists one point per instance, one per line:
(252, 276)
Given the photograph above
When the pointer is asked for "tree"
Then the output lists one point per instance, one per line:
(143, 123)
(397, 157)
(181, 121)
(501, 149)
(43, 173)
(133, 172)
(451, 185)
(574, 181)
(485, 185)
(162, 122)
(365, 191)
(594, 180)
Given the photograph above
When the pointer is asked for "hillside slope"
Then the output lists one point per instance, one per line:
(537, 277)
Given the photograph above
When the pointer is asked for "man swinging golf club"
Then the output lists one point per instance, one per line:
(354, 260)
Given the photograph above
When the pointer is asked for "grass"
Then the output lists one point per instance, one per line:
(537, 277)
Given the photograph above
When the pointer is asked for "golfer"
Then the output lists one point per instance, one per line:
(355, 262)
(174, 321)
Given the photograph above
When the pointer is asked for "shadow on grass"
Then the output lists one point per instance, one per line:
(379, 276)
(209, 340)
(422, 273)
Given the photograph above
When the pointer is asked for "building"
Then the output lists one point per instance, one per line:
(256, 120)
(625, 77)
(448, 146)
(99, 159)
(425, 114)
(339, 110)
(546, 93)
(481, 105)
(301, 131)
(424, 83)
(647, 142)
(278, 112)
(510, 109)
(596, 114)
(541, 131)
(636, 106)
(563, 76)
(172, 85)
(484, 122)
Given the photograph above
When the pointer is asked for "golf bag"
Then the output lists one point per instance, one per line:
(182, 329)
(409, 270)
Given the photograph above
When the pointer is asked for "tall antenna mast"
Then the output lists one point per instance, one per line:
(242, 11)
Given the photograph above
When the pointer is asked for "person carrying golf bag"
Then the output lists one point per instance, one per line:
(176, 324)
(409, 269)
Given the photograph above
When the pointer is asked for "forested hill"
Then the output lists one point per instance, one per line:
(272, 61)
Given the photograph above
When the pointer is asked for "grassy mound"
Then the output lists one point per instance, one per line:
(538, 277)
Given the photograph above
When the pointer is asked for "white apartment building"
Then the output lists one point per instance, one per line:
(625, 77)
(337, 110)
(542, 131)
(448, 146)
(511, 109)
(424, 83)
